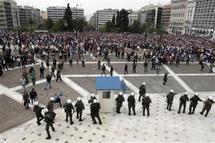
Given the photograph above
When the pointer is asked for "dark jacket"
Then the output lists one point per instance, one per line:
(184, 98)
(68, 108)
(79, 105)
(120, 99)
(194, 100)
(131, 101)
(146, 101)
(37, 109)
(208, 103)
(94, 108)
(170, 97)
(142, 89)
(33, 94)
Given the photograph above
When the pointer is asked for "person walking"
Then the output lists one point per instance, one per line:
(69, 110)
(131, 104)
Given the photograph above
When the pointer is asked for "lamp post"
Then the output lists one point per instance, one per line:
(18, 28)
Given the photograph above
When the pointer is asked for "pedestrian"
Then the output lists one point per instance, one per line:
(38, 112)
(145, 66)
(79, 105)
(126, 69)
(52, 71)
(207, 106)
(99, 64)
(26, 99)
(157, 70)
(83, 62)
(48, 81)
(142, 90)
(183, 99)
(103, 70)
(33, 77)
(131, 103)
(202, 65)
(58, 75)
(42, 69)
(49, 119)
(165, 78)
(193, 103)
(57, 99)
(170, 96)
(69, 110)
(23, 83)
(119, 101)
(1, 70)
(94, 108)
(111, 70)
(134, 67)
(33, 95)
(146, 101)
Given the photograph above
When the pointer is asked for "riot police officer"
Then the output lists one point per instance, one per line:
(37, 110)
(142, 90)
(92, 97)
(69, 110)
(94, 108)
(193, 103)
(170, 97)
(119, 100)
(207, 106)
(183, 99)
(48, 118)
(79, 105)
(131, 104)
(146, 101)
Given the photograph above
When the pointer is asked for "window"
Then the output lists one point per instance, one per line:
(106, 95)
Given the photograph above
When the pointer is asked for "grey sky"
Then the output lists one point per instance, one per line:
(90, 6)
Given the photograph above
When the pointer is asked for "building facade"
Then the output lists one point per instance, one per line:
(204, 18)
(101, 17)
(178, 16)
(56, 13)
(132, 17)
(165, 18)
(8, 14)
(29, 16)
(151, 14)
(190, 11)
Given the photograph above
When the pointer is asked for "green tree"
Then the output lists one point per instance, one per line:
(80, 25)
(68, 18)
(114, 20)
(124, 21)
(59, 26)
(49, 23)
(135, 27)
(108, 26)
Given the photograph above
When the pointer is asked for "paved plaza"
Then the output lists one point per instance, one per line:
(162, 126)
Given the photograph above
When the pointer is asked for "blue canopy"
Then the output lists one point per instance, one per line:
(110, 83)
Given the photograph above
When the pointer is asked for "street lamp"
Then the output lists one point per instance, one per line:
(18, 28)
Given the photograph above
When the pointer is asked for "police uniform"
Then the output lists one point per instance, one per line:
(94, 108)
(79, 109)
(37, 110)
(170, 97)
(146, 102)
(183, 99)
(119, 100)
(193, 103)
(207, 106)
(69, 110)
(131, 104)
